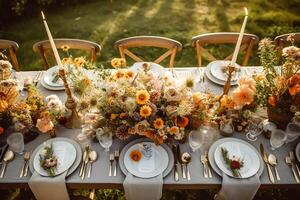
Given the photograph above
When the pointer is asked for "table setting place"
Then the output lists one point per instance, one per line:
(223, 124)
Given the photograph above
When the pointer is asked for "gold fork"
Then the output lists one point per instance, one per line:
(289, 162)
(202, 158)
(111, 160)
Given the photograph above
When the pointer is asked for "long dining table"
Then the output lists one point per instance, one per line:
(100, 177)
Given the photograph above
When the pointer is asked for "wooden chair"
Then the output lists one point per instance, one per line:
(12, 48)
(172, 47)
(281, 41)
(43, 48)
(223, 38)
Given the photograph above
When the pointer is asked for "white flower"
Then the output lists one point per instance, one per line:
(51, 97)
(28, 81)
(4, 64)
(130, 104)
(54, 103)
(171, 94)
(185, 108)
(90, 118)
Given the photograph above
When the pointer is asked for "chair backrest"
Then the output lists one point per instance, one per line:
(44, 47)
(12, 48)
(223, 38)
(281, 41)
(173, 47)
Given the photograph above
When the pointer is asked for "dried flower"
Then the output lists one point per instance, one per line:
(122, 132)
(142, 97)
(158, 123)
(145, 111)
(171, 94)
(243, 95)
(65, 47)
(79, 62)
(44, 124)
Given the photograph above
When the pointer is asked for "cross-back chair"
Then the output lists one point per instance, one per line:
(172, 47)
(43, 48)
(281, 41)
(200, 41)
(12, 48)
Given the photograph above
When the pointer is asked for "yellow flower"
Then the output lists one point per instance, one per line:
(67, 61)
(174, 130)
(79, 61)
(115, 62)
(142, 96)
(3, 105)
(129, 74)
(65, 47)
(113, 116)
(119, 74)
(158, 123)
(197, 98)
(122, 62)
(145, 111)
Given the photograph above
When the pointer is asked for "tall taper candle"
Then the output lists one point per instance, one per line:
(239, 41)
(54, 49)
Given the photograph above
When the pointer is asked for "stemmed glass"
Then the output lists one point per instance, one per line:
(104, 138)
(16, 142)
(195, 140)
(278, 138)
(254, 128)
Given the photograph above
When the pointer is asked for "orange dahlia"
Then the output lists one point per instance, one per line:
(272, 101)
(142, 96)
(145, 111)
(158, 123)
(182, 121)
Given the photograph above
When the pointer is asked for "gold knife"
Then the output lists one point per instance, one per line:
(265, 158)
(85, 155)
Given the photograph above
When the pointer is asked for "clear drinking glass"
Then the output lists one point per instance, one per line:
(254, 129)
(195, 140)
(278, 138)
(104, 138)
(16, 142)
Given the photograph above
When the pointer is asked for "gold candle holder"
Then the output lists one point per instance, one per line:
(74, 120)
(230, 70)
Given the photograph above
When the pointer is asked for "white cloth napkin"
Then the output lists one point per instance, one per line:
(237, 189)
(49, 188)
(146, 189)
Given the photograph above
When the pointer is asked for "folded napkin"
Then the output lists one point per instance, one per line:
(237, 189)
(49, 188)
(140, 188)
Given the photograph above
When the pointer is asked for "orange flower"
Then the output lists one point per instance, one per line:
(158, 123)
(122, 62)
(129, 74)
(123, 115)
(3, 105)
(294, 90)
(113, 116)
(136, 155)
(197, 98)
(158, 140)
(115, 62)
(145, 111)
(1, 130)
(272, 101)
(142, 96)
(149, 134)
(119, 74)
(243, 95)
(173, 130)
(182, 121)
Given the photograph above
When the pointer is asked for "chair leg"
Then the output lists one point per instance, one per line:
(198, 48)
(14, 58)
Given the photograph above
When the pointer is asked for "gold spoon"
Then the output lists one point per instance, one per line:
(273, 161)
(92, 158)
(26, 158)
(186, 159)
(8, 156)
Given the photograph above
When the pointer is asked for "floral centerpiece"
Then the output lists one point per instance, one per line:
(279, 87)
(143, 103)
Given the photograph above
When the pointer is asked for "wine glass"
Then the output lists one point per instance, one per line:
(254, 129)
(16, 142)
(203, 137)
(278, 138)
(195, 140)
(104, 138)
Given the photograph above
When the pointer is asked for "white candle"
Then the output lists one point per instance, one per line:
(239, 41)
(53, 47)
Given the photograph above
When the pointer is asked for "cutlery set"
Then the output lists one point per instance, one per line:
(182, 160)
(88, 158)
(113, 163)
(24, 170)
(270, 161)
(291, 161)
(37, 78)
(206, 166)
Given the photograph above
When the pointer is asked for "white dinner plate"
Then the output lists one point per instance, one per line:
(147, 167)
(49, 75)
(218, 67)
(155, 68)
(240, 151)
(214, 79)
(45, 85)
(219, 142)
(65, 153)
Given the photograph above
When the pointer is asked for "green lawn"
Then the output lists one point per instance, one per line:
(106, 21)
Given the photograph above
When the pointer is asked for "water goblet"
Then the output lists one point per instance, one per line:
(16, 142)
(195, 140)
(278, 138)
(254, 128)
(105, 138)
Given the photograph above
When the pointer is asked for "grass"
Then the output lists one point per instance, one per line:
(106, 21)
